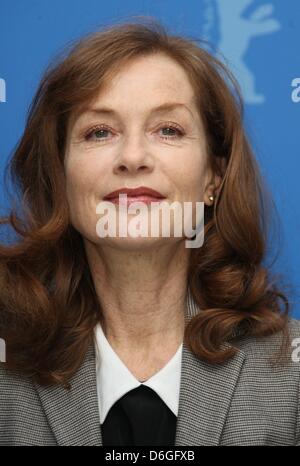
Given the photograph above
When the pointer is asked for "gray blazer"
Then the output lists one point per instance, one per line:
(244, 401)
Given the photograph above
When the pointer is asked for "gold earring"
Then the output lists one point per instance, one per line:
(211, 198)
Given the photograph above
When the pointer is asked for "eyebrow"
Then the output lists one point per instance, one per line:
(163, 108)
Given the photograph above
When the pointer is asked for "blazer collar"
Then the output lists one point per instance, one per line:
(206, 391)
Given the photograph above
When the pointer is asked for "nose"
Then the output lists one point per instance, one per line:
(134, 156)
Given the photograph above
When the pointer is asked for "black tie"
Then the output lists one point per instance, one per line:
(140, 417)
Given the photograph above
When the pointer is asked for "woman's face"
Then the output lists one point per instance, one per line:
(136, 144)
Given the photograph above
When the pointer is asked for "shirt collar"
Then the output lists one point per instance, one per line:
(114, 379)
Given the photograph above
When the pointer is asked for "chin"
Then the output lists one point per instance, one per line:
(138, 244)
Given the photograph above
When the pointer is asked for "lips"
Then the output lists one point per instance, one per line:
(140, 192)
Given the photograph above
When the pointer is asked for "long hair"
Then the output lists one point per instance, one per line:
(48, 303)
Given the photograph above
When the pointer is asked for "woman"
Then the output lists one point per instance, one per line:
(129, 339)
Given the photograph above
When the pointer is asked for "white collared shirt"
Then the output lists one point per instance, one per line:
(114, 379)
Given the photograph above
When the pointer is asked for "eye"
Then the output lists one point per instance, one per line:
(178, 132)
(100, 130)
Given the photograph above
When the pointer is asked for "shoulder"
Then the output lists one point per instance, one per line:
(266, 395)
(11, 379)
(16, 389)
(273, 358)
(22, 419)
(265, 345)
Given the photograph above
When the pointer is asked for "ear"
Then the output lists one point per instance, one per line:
(214, 181)
(217, 182)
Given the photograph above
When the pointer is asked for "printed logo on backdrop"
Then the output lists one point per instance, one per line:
(296, 91)
(2, 350)
(236, 23)
(2, 90)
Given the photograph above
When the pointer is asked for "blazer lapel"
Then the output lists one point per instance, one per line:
(206, 391)
(74, 415)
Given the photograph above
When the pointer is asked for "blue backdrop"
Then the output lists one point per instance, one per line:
(258, 38)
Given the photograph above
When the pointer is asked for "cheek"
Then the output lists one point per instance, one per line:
(80, 175)
(81, 181)
(83, 184)
(190, 177)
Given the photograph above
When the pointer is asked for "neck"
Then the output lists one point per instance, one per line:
(142, 294)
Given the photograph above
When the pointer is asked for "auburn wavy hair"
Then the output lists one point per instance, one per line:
(48, 303)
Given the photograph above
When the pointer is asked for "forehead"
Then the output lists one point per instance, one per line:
(148, 85)
(161, 109)
(154, 73)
